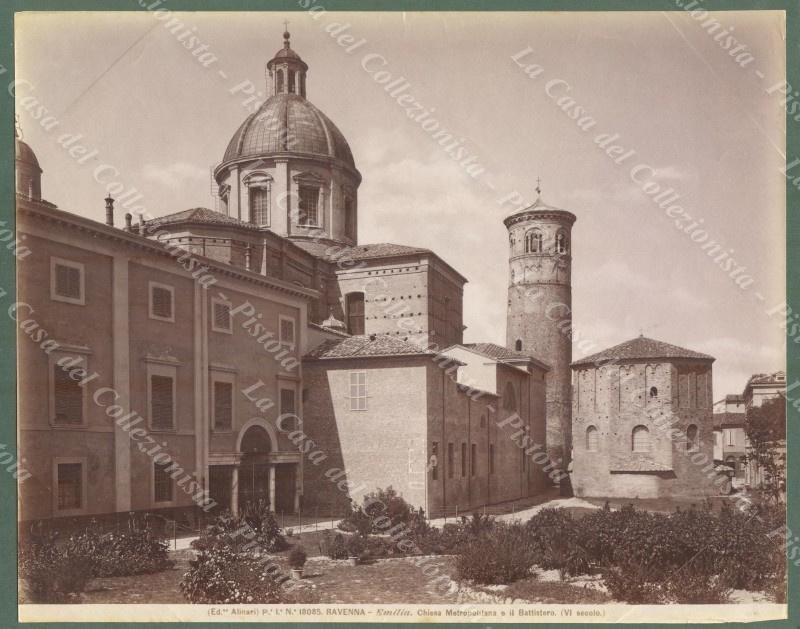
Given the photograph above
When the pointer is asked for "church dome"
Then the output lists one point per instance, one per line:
(288, 123)
(24, 154)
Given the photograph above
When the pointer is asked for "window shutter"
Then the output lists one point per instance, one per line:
(222, 316)
(68, 281)
(161, 401)
(162, 302)
(223, 405)
(68, 396)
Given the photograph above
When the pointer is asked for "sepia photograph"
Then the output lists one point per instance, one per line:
(324, 315)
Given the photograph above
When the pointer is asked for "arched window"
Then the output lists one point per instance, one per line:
(510, 398)
(592, 439)
(533, 241)
(518, 345)
(561, 242)
(731, 460)
(291, 82)
(279, 82)
(691, 437)
(354, 303)
(653, 393)
(640, 439)
(256, 441)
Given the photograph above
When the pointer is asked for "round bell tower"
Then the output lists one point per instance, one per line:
(539, 316)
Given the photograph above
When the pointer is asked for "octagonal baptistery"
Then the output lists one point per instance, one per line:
(288, 167)
(642, 423)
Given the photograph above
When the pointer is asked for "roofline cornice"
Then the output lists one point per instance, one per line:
(327, 160)
(89, 226)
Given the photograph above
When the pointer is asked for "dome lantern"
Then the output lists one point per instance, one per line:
(286, 71)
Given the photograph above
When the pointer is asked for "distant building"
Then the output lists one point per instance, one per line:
(642, 422)
(730, 439)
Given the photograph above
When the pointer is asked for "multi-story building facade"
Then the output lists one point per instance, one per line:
(161, 359)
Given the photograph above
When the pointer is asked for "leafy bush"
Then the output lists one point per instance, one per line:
(256, 530)
(118, 554)
(502, 555)
(54, 569)
(52, 573)
(297, 558)
(333, 546)
(554, 538)
(382, 511)
(219, 575)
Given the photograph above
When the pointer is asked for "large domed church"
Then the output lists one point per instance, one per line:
(212, 358)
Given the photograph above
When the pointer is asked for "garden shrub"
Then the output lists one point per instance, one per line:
(54, 569)
(333, 546)
(219, 575)
(554, 539)
(52, 572)
(501, 555)
(255, 530)
(382, 511)
(121, 553)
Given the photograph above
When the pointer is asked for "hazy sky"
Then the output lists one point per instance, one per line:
(702, 119)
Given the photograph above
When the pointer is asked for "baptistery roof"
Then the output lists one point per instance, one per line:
(288, 123)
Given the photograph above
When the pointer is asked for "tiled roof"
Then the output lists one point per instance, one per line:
(497, 351)
(200, 215)
(638, 463)
(734, 397)
(540, 206)
(641, 348)
(379, 250)
(728, 419)
(24, 153)
(779, 377)
(366, 346)
(288, 123)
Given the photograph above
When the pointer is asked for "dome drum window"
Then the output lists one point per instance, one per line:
(259, 186)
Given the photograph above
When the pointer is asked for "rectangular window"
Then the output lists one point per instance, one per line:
(358, 390)
(70, 486)
(463, 460)
(355, 313)
(288, 406)
(162, 402)
(221, 316)
(473, 460)
(451, 463)
(161, 302)
(67, 398)
(287, 331)
(223, 405)
(259, 206)
(434, 463)
(67, 281)
(308, 206)
(162, 483)
(731, 440)
(491, 458)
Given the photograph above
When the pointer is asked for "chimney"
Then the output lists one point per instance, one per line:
(109, 211)
(128, 219)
